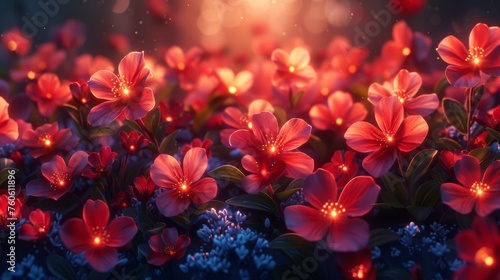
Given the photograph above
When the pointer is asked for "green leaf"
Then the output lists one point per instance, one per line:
(318, 145)
(216, 204)
(420, 213)
(395, 186)
(260, 201)
(381, 236)
(450, 143)
(157, 228)
(60, 268)
(280, 115)
(391, 199)
(296, 98)
(169, 144)
(455, 114)
(4, 174)
(133, 125)
(289, 240)
(152, 120)
(441, 86)
(493, 133)
(477, 94)
(227, 174)
(98, 192)
(284, 195)
(427, 194)
(295, 184)
(480, 153)
(419, 165)
(72, 112)
(101, 131)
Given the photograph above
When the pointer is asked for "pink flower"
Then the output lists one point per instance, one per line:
(86, 65)
(71, 35)
(267, 140)
(81, 92)
(293, 70)
(474, 189)
(5, 213)
(48, 140)
(38, 227)
(232, 84)
(340, 113)
(125, 93)
(343, 169)
(183, 67)
(49, 93)
(9, 131)
(405, 86)
(332, 215)
(482, 57)
(264, 172)
(206, 144)
(182, 185)
(58, 177)
(166, 246)
(479, 247)
(236, 119)
(143, 188)
(14, 41)
(100, 163)
(396, 133)
(133, 142)
(47, 58)
(94, 236)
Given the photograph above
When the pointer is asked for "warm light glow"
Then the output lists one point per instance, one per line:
(250, 125)
(358, 272)
(84, 100)
(126, 91)
(232, 89)
(476, 61)
(390, 139)
(31, 75)
(48, 95)
(352, 69)
(343, 167)
(97, 240)
(334, 213)
(339, 121)
(484, 256)
(181, 66)
(325, 91)
(132, 147)
(479, 188)
(273, 149)
(479, 192)
(183, 187)
(61, 183)
(12, 45)
(168, 119)
(291, 69)
(47, 142)
(406, 51)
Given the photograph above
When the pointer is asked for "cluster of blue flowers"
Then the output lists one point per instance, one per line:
(229, 248)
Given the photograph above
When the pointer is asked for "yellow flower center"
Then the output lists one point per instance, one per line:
(332, 209)
(339, 121)
(181, 66)
(291, 69)
(232, 89)
(484, 256)
(479, 188)
(475, 55)
(406, 51)
(358, 272)
(169, 250)
(12, 45)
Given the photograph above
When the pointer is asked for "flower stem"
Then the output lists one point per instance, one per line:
(469, 114)
(149, 135)
(122, 169)
(401, 171)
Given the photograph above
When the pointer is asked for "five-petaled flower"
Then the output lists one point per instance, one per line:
(94, 236)
(38, 227)
(343, 168)
(234, 84)
(293, 70)
(396, 134)
(58, 177)
(332, 215)
(100, 163)
(48, 140)
(405, 86)
(124, 94)
(482, 57)
(166, 246)
(49, 93)
(481, 191)
(143, 188)
(182, 185)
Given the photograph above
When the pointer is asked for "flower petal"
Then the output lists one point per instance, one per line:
(77, 163)
(409, 82)
(359, 196)
(264, 126)
(169, 236)
(203, 190)
(462, 77)
(159, 258)
(253, 183)
(250, 164)
(294, 133)
(165, 171)
(74, 235)
(347, 235)
(422, 105)
(259, 105)
(468, 170)
(55, 166)
(102, 259)
(102, 83)
(363, 137)
(28, 233)
(452, 51)
(467, 243)
(105, 112)
(131, 68)
(245, 141)
(138, 109)
(379, 162)
(319, 188)
(357, 113)
(491, 176)
(306, 221)
(339, 104)
(389, 114)
(479, 35)
(299, 58)
(42, 188)
(232, 116)
(121, 231)
(170, 204)
(195, 164)
(298, 164)
(95, 215)
(376, 92)
(457, 197)
(487, 202)
(320, 117)
(411, 133)
(180, 247)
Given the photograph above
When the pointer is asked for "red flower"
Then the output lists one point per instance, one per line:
(5, 213)
(405, 86)
(183, 184)
(166, 246)
(449, 158)
(480, 248)
(466, 66)
(335, 218)
(86, 65)
(59, 177)
(474, 189)
(100, 163)
(232, 84)
(236, 119)
(264, 171)
(267, 140)
(143, 188)
(340, 113)
(94, 236)
(342, 170)
(39, 227)
(47, 140)
(121, 201)
(356, 265)
(125, 93)
(206, 144)
(48, 93)
(133, 142)
(14, 41)
(81, 92)
(293, 70)
(9, 131)
(183, 68)
(396, 133)
(71, 35)
(47, 58)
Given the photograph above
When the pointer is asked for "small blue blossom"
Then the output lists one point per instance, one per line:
(439, 249)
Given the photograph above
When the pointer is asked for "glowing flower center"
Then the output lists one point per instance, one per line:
(97, 240)
(406, 51)
(339, 121)
(232, 89)
(325, 91)
(169, 250)
(484, 256)
(121, 87)
(343, 167)
(291, 69)
(182, 187)
(475, 55)
(168, 119)
(31, 75)
(332, 209)
(126, 91)
(12, 45)
(47, 142)
(101, 237)
(250, 126)
(132, 147)
(390, 139)
(479, 188)
(84, 100)
(181, 66)
(41, 229)
(59, 180)
(352, 69)
(401, 94)
(358, 272)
